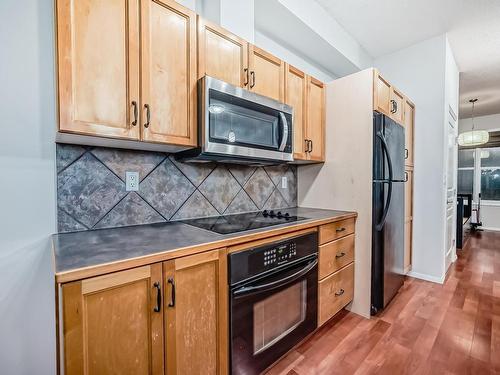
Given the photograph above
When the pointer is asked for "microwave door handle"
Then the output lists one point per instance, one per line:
(248, 290)
(284, 123)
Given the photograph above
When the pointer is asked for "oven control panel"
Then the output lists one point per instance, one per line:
(280, 254)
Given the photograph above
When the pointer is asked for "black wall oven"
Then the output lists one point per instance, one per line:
(273, 301)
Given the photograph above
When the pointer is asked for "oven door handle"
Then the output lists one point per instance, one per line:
(285, 132)
(247, 290)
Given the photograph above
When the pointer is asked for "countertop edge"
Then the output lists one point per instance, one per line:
(160, 256)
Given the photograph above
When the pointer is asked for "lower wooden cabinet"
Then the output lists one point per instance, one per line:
(335, 292)
(113, 325)
(196, 314)
(161, 318)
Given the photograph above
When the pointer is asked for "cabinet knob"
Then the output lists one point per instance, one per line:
(339, 293)
(340, 255)
(338, 230)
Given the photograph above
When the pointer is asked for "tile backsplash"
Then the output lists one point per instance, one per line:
(91, 188)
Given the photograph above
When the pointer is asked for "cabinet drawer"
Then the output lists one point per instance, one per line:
(335, 292)
(332, 231)
(335, 255)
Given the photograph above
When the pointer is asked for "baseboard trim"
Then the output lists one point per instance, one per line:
(490, 228)
(423, 276)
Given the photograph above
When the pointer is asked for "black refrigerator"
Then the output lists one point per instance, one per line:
(388, 211)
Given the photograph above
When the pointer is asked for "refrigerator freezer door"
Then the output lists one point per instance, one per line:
(393, 241)
(395, 138)
(392, 134)
(387, 244)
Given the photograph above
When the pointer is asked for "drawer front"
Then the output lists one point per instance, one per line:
(335, 292)
(332, 231)
(335, 255)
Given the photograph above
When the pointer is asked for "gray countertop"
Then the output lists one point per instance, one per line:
(94, 248)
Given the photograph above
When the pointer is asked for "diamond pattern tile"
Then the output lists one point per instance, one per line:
(195, 172)
(166, 189)
(220, 188)
(121, 161)
(275, 201)
(132, 210)
(196, 206)
(242, 172)
(67, 154)
(241, 203)
(275, 172)
(87, 190)
(259, 187)
(66, 223)
(290, 193)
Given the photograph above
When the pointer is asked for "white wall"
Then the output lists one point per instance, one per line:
(490, 212)
(419, 71)
(27, 189)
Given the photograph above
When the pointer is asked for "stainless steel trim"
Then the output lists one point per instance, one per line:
(285, 132)
(209, 83)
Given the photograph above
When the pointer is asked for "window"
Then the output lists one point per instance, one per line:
(465, 171)
(490, 174)
(482, 177)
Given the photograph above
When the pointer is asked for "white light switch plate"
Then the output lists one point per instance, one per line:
(132, 181)
(284, 182)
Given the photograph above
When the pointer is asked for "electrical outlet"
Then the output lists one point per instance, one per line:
(132, 181)
(284, 182)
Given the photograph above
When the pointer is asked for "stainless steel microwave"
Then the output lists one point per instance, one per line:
(238, 126)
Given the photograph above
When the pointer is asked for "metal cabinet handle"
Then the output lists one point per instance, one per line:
(338, 230)
(340, 255)
(246, 77)
(339, 293)
(136, 114)
(394, 105)
(158, 297)
(311, 143)
(252, 75)
(406, 176)
(306, 141)
(170, 280)
(406, 153)
(148, 115)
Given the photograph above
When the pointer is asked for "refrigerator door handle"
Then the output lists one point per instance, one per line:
(381, 223)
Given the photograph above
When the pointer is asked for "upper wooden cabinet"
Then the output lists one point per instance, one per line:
(112, 83)
(112, 324)
(409, 122)
(168, 73)
(196, 314)
(387, 99)
(267, 74)
(307, 97)
(295, 96)
(315, 119)
(98, 67)
(221, 54)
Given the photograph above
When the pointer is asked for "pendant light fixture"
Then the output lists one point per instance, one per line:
(473, 137)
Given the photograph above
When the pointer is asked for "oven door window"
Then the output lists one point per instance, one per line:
(236, 121)
(278, 315)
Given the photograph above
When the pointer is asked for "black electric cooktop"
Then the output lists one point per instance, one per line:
(228, 224)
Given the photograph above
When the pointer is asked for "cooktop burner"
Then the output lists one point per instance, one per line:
(240, 222)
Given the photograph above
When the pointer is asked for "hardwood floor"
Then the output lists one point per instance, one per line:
(428, 328)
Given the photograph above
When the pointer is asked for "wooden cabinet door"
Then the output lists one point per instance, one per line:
(316, 119)
(409, 194)
(110, 325)
(397, 105)
(408, 245)
(168, 73)
(222, 55)
(381, 94)
(295, 96)
(196, 314)
(267, 73)
(409, 121)
(98, 67)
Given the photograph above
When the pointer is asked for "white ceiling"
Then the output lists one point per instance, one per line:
(473, 28)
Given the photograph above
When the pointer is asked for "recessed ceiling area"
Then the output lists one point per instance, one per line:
(473, 28)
